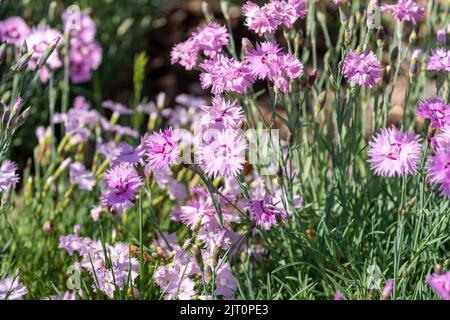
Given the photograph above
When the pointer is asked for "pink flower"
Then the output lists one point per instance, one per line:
(12, 289)
(439, 170)
(81, 177)
(362, 68)
(80, 25)
(224, 155)
(268, 18)
(338, 296)
(387, 290)
(13, 30)
(122, 183)
(117, 107)
(226, 284)
(39, 39)
(440, 284)
(8, 175)
(185, 53)
(265, 212)
(222, 114)
(130, 154)
(436, 110)
(162, 148)
(263, 59)
(394, 153)
(405, 10)
(210, 38)
(258, 19)
(225, 74)
(439, 60)
(85, 57)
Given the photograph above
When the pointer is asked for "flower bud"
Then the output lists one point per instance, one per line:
(207, 11)
(311, 78)
(22, 62)
(394, 54)
(441, 36)
(43, 59)
(47, 228)
(225, 8)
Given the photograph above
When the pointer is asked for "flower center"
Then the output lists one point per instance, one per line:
(395, 151)
(121, 187)
(222, 151)
(13, 33)
(167, 148)
(438, 114)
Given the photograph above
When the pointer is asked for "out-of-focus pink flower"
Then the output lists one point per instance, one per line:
(439, 169)
(436, 110)
(82, 177)
(439, 60)
(226, 284)
(405, 10)
(440, 284)
(8, 175)
(12, 289)
(80, 25)
(85, 57)
(38, 40)
(13, 30)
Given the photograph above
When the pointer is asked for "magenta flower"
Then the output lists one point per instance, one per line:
(225, 74)
(226, 284)
(122, 183)
(82, 177)
(162, 148)
(210, 38)
(38, 40)
(362, 68)
(80, 25)
(222, 114)
(268, 18)
(85, 57)
(207, 39)
(199, 207)
(394, 153)
(338, 296)
(439, 60)
(440, 284)
(436, 110)
(405, 10)
(8, 175)
(224, 155)
(130, 154)
(12, 289)
(13, 30)
(263, 60)
(117, 107)
(265, 212)
(439, 170)
(185, 53)
(387, 290)
(258, 19)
